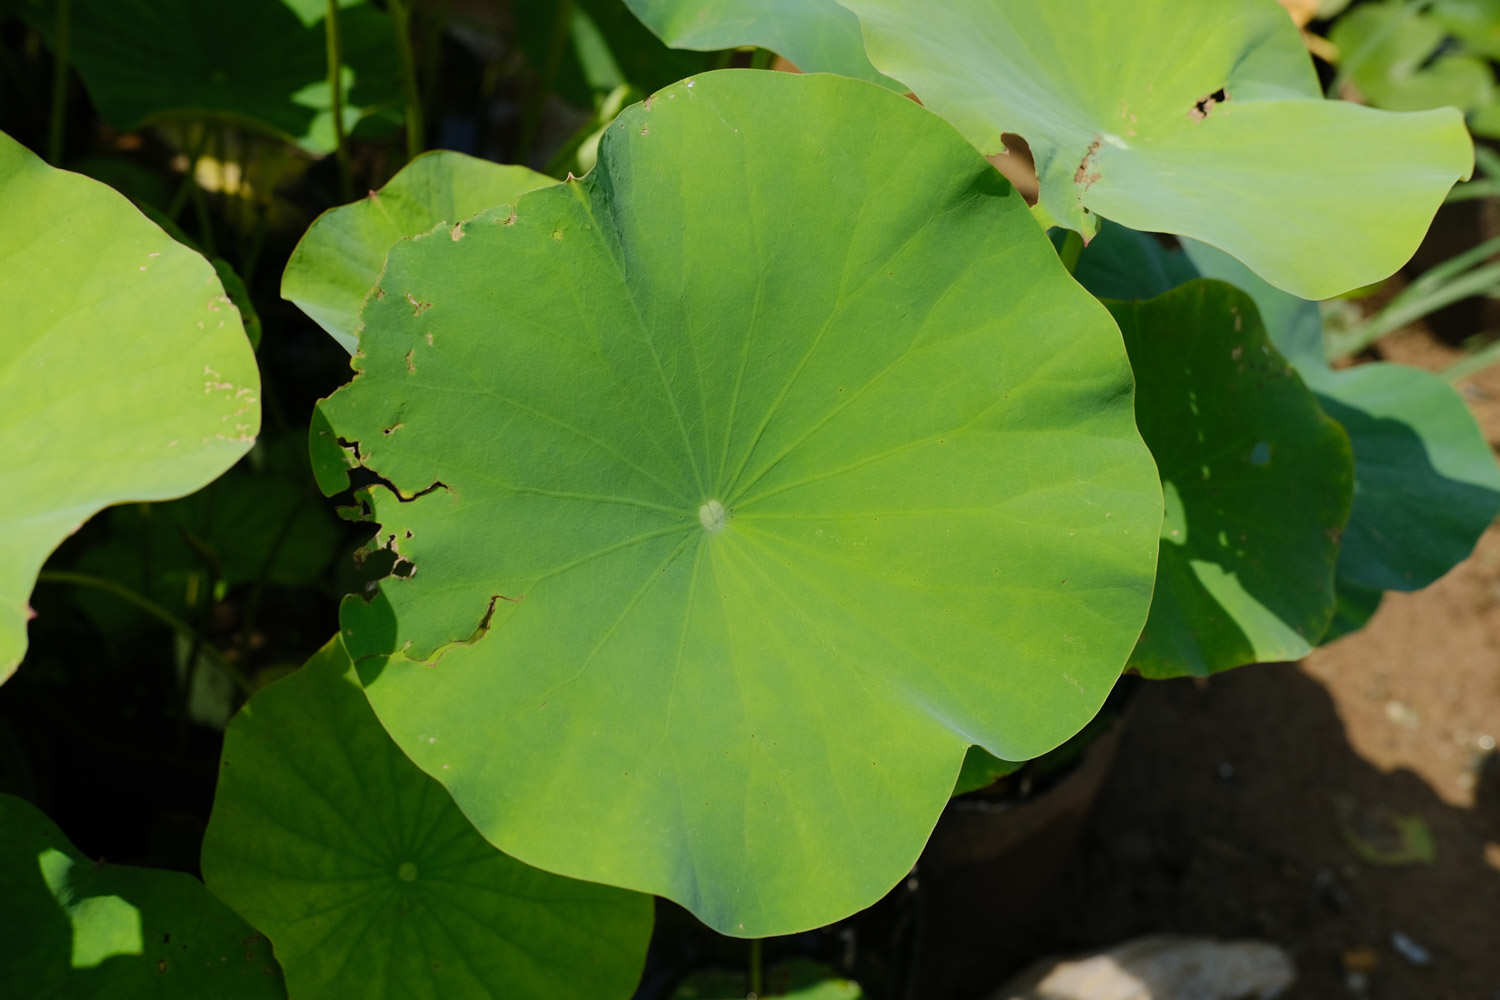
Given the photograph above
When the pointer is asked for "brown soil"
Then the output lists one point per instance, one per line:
(1242, 806)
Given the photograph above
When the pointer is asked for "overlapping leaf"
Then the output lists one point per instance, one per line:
(261, 63)
(1183, 118)
(338, 259)
(814, 34)
(1426, 481)
(76, 929)
(370, 882)
(124, 368)
(1257, 484)
(739, 487)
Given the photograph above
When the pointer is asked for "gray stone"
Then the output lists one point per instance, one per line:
(1161, 968)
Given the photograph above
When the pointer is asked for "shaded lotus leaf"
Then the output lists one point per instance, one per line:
(1426, 483)
(1202, 146)
(370, 882)
(124, 368)
(1356, 606)
(1257, 483)
(338, 259)
(981, 769)
(608, 47)
(78, 929)
(769, 466)
(815, 35)
(250, 525)
(258, 63)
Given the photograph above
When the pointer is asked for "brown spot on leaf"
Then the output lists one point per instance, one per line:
(457, 232)
(418, 307)
(411, 368)
(1203, 105)
(1086, 174)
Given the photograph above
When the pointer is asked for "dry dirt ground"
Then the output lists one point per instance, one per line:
(1289, 802)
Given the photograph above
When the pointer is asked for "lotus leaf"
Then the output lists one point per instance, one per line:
(813, 34)
(370, 882)
(1426, 481)
(338, 259)
(124, 367)
(739, 487)
(1257, 484)
(261, 63)
(77, 929)
(1426, 484)
(1182, 118)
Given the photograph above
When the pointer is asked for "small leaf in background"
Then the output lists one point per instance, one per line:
(1257, 484)
(338, 260)
(783, 431)
(1381, 837)
(123, 365)
(1396, 57)
(262, 63)
(815, 35)
(1123, 127)
(370, 882)
(77, 928)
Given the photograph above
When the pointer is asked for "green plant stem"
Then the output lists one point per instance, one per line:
(58, 125)
(757, 968)
(1408, 309)
(531, 120)
(415, 127)
(154, 610)
(1487, 160)
(336, 98)
(1486, 187)
(1481, 359)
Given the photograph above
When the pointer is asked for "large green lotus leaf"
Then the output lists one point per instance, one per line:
(1257, 484)
(1200, 119)
(370, 882)
(741, 486)
(339, 258)
(260, 63)
(1426, 484)
(124, 369)
(73, 929)
(814, 34)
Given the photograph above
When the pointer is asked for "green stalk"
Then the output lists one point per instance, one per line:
(1487, 160)
(1474, 363)
(153, 610)
(415, 127)
(58, 125)
(336, 98)
(757, 969)
(1408, 309)
(531, 120)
